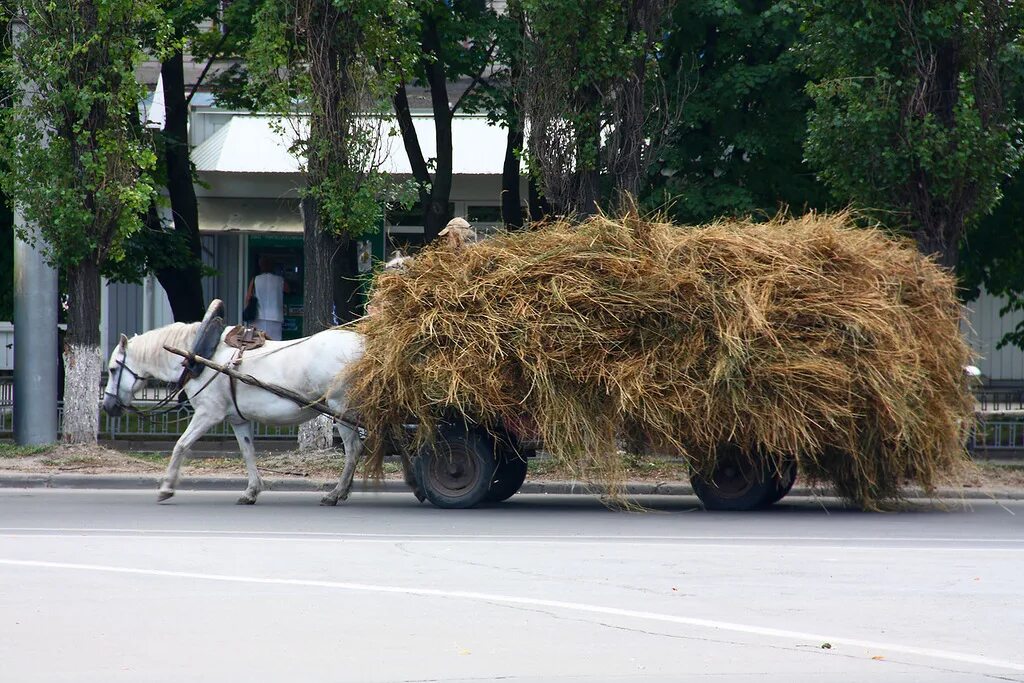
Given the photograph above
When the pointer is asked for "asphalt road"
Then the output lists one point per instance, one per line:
(108, 586)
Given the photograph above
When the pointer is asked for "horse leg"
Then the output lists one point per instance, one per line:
(244, 435)
(353, 448)
(200, 423)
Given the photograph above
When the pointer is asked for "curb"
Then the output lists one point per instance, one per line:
(130, 482)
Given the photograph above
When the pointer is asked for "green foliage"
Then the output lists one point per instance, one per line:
(447, 42)
(574, 51)
(992, 256)
(736, 146)
(908, 119)
(589, 71)
(466, 32)
(6, 259)
(354, 64)
(76, 157)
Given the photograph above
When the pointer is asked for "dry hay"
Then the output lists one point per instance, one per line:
(808, 337)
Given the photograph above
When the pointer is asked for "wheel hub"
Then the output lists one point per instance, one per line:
(453, 474)
(733, 477)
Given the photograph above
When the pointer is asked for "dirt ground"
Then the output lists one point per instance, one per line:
(327, 465)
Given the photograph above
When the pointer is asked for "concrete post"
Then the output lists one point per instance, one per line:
(35, 342)
(35, 325)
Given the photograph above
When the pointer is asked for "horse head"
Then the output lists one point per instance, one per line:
(122, 380)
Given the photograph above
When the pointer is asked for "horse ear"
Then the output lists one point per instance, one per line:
(124, 342)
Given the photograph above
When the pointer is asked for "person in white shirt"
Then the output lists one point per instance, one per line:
(269, 289)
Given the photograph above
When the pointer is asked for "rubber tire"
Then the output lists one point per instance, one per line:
(508, 479)
(784, 484)
(738, 483)
(472, 453)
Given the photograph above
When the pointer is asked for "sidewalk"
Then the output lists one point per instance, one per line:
(312, 484)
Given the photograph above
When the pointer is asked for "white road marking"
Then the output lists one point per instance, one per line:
(811, 638)
(789, 544)
(502, 537)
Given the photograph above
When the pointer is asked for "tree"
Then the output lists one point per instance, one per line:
(590, 75)
(910, 119)
(181, 278)
(172, 248)
(77, 164)
(455, 39)
(334, 58)
(736, 147)
(6, 258)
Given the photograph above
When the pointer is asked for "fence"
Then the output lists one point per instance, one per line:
(1000, 425)
(167, 424)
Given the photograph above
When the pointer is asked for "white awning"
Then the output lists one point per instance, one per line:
(262, 144)
(249, 144)
(233, 214)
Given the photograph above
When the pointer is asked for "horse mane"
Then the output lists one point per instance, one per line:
(148, 347)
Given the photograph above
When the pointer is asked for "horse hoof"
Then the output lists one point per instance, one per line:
(420, 496)
(163, 495)
(246, 500)
(328, 500)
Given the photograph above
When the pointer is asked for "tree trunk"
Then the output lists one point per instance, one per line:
(348, 302)
(411, 142)
(82, 359)
(318, 288)
(939, 218)
(537, 203)
(318, 280)
(434, 192)
(939, 236)
(588, 156)
(511, 197)
(183, 283)
(644, 17)
(628, 162)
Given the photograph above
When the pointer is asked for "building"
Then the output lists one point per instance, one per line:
(249, 205)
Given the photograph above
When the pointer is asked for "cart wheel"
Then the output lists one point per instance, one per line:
(738, 482)
(782, 482)
(508, 478)
(456, 470)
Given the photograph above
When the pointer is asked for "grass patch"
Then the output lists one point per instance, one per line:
(156, 458)
(10, 450)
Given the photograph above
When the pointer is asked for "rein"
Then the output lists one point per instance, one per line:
(159, 408)
(163, 406)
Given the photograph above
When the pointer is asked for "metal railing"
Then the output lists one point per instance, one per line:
(1000, 425)
(166, 424)
(997, 435)
(999, 401)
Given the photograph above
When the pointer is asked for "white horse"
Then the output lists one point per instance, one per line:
(309, 367)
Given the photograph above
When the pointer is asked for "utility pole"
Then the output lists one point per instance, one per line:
(35, 326)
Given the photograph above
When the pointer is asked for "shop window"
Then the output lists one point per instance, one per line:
(483, 214)
(413, 216)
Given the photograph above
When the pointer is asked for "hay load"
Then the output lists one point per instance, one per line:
(805, 338)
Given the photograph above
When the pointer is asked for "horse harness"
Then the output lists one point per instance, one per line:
(242, 338)
(159, 408)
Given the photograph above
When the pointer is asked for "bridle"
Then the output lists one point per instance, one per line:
(160, 407)
(122, 367)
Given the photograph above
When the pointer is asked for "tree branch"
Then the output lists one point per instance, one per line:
(479, 78)
(409, 138)
(209, 63)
